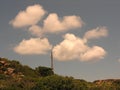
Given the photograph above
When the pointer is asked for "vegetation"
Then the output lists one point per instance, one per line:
(15, 76)
(44, 71)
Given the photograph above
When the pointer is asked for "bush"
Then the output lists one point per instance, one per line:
(44, 71)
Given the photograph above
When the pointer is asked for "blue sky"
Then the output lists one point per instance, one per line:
(86, 49)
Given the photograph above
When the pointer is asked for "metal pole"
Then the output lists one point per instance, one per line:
(52, 60)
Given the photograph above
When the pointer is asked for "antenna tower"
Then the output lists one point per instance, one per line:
(52, 60)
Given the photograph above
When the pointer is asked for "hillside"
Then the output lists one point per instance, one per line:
(15, 76)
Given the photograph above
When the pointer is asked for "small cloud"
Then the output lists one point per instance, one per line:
(93, 53)
(96, 33)
(54, 24)
(31, 16)
(118, 60)
(36, 30)
(33, 46)
(73, 47)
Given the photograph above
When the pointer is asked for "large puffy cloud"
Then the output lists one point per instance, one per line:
(55, 24)
(30, 16)
(69, 48)
(96, 33)
(33, 46)
(73, 47)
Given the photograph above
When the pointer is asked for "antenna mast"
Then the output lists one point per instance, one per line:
(52, 60)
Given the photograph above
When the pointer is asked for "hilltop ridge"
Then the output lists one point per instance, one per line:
(15, 76)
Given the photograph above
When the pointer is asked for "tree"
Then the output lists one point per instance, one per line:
(44, 71)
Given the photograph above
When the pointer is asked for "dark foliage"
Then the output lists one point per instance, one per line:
(44, 71)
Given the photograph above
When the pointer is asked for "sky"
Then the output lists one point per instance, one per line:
(82, 34)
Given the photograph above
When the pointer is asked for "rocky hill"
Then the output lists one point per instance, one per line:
(8, 69)
(15, 76)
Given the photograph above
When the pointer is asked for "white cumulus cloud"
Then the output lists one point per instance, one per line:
(93, 53)
(33, 46)
(73, 47)
(32, 15)
(54, 24)
(96, 33)
(69, 48)
(35, 30)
